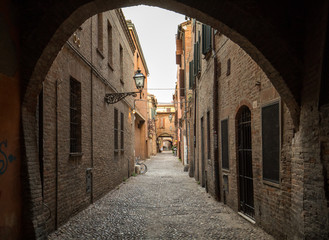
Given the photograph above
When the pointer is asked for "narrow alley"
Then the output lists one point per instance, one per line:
(162, 204)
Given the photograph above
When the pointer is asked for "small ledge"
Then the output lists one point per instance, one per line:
(109, 65)
(224, 170)
(76, 154)
(100, 53)
(271, 184)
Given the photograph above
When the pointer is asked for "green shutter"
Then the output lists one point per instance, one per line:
(198, 57)
(206, 39)
(191, 75)
(204, 50)
(195, 53)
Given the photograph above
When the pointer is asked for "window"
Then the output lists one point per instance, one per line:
(75, 116)
(116, 130)
(271, 142)
(228, 71)
(100, 31)
(121, 64)
(182, 82)
(224, 141)
(206, 39)
(110, 44)
(208, 136)
(191, 75)
(197, 65)
(122, 132)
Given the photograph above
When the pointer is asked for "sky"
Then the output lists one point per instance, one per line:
(156, 29)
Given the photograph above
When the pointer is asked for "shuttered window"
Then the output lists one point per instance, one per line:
(271, 142)
(191, 75)
(122, 133)
(197, 65)
(116, 129)
(181, 83)
(224, 141)
(206, 39)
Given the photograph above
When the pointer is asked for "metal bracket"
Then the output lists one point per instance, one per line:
(112, 98)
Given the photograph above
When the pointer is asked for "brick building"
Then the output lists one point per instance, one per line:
(182, 92)
(288, 40)
(85, 144)
(165, 126)
(242, 131)
(140, 101)
(152, 130)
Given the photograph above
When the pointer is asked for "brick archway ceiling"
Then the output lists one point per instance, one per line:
(271, 32)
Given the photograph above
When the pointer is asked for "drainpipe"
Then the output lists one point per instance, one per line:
(56, 170)
(91, 113)
(215, 119)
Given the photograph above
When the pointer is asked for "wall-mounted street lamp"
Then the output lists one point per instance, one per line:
(139, 78)
(170, 117)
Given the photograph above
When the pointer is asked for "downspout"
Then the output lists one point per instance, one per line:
(56, 170)
(216, 119)
(194, 137)
(91, 112)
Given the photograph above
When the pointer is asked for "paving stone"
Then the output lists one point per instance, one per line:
(164, 203)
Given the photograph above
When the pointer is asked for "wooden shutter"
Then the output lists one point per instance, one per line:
(206, 39)
(195, 67)
(191, 75)
(182, 82)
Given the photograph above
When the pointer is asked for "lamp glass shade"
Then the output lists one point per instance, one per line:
(139, 79)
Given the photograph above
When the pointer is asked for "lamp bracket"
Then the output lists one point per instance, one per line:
(111, 98)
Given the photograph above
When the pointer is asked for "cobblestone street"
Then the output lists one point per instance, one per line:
(162, 204)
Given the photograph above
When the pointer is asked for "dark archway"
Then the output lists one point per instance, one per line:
(261, 30)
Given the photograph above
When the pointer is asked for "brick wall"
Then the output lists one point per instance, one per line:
(68, 194)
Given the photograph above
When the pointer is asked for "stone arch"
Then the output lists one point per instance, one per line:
(52, 22)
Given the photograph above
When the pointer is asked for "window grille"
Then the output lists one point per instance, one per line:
(246, 192)
(271, 142)
(75, 116)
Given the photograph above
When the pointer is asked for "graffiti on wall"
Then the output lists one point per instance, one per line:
(4, 159)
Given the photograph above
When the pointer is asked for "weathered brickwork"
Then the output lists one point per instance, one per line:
(140, 102)
(286, 39)
(247, 85)
(240, 82)
(65, 176)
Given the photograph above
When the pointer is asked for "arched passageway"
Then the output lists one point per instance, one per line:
(284, 38)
